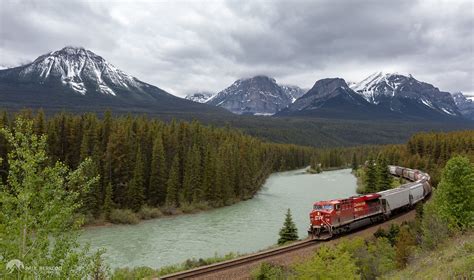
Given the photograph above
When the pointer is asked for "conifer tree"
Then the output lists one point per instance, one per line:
(135, 191)
(371, 177)
(354, 163)
(173, 184)
(288, 232)
(384, 178)
(108, 202)
(157, 183)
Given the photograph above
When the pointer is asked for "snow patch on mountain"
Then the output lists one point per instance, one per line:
(200, 97)
(259, 95)
(79, 69)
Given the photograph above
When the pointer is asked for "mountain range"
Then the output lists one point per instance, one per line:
(79, 80)
(381, 95)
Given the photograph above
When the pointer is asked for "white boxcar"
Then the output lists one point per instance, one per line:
(395, 198)
(416, 193)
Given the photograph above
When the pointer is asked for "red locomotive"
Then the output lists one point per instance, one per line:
(341, 215)
(334, 217)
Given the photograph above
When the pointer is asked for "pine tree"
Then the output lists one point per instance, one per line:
(288, 232)
(371, 177)
(108, 202)
(384, 178)
(40, 123)
(135, 192)
(173, 184)
(157, 183)
(354, 164)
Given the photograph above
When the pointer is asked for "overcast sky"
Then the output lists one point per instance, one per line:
(184, 46)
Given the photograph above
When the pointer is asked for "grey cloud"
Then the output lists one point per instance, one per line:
(186, 45)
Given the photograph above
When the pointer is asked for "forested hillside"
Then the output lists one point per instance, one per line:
(427, 151)
(181, 165)
(148, 162)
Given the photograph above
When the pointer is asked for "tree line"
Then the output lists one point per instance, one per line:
(426, 151)
(143, 161)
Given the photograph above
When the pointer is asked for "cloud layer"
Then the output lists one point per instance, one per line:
(184, 46)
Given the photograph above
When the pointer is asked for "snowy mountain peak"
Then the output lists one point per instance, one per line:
(404, 94)
(200, 97)
(380, 83)
(80, 70)
(259, 95)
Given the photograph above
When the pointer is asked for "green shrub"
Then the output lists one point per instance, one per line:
(188, 208)
(141, 272)
(147, 213)
(123, 216)
(433, 227)
(328, 263)
(268, 271)
(455, 193)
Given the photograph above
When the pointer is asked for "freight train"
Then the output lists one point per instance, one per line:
(334, 217)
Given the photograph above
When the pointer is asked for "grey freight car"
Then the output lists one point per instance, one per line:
(395, 199)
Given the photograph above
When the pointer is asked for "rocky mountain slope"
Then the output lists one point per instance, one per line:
(407, 96)
(332, 98)
(77, 79)
(259, 95)
(465, 104)
(200, 97)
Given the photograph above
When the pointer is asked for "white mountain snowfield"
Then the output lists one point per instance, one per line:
(74, 66)
(367, 87)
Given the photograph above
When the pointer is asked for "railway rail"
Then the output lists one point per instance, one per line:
(241, 260)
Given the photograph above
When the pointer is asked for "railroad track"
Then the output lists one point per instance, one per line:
(247, 259)
(241, 260)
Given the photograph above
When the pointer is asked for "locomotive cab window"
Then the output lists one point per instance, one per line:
(322, 207)
(337, 206)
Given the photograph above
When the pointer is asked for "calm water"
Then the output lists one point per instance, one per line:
(244, 227)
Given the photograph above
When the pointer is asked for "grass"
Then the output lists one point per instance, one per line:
(453, 259)
(150, 273)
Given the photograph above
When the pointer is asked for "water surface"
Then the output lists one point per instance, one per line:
(245, 227)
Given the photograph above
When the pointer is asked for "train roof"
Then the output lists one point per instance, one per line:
(364, 197)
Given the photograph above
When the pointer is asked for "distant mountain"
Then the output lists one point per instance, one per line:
(200, 97)
(407, 96)
(332, 98)
(465, 104)
(259, 95)
(294, 92)
(77, 79)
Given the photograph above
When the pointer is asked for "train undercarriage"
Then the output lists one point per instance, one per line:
(327, 231)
